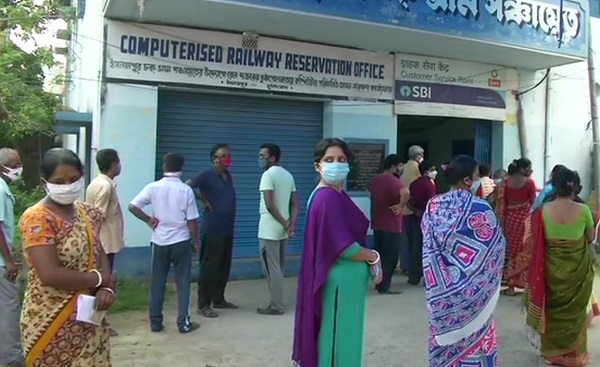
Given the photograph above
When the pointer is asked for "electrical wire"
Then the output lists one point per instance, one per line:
(519, 94)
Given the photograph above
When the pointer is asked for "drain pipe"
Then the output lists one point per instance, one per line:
(594, 122)
(521, 127)
(547, 126)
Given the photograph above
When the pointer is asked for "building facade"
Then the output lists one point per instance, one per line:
(183, 75)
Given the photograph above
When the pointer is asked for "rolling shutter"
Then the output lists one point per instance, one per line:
(191, 123)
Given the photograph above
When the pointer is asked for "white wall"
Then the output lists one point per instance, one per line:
(361, 120)
(570, 131)
(85, 68)
(129, 119)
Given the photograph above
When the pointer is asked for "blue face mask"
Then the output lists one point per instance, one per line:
(262, 163)
(335, 173)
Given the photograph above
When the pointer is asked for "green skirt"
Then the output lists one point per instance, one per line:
(341, 340)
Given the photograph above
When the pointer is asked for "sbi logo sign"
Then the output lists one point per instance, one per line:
(417, 91)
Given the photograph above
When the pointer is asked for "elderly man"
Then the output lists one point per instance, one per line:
(411, 222)
(11, 353)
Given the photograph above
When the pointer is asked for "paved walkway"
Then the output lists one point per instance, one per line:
(396, 334)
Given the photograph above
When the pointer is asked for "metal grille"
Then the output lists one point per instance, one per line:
(250, 40)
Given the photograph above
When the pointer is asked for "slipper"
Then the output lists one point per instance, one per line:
(509, 293)
(208, 313)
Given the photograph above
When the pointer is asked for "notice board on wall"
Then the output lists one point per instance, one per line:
(366, 163)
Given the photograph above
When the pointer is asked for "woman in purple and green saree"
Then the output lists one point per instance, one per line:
(336, 266)
(463, 258)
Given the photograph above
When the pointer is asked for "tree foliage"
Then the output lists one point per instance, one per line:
(30, 108)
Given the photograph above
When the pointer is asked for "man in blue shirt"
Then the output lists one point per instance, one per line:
(11, 353)
(217, 194)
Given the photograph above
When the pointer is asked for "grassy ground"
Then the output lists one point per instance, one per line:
(135, 296)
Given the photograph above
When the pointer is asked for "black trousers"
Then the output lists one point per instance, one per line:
(415, 270)
(388, 246)
(215, 264)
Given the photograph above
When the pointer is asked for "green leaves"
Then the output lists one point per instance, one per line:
(30, 108)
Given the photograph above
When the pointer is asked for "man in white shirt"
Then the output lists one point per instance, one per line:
(175, 227)
(278, 215)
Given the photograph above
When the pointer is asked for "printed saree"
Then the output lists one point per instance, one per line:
(330, 309)
(51, 335)
(513, 221)
(558, 296)
(463, 256)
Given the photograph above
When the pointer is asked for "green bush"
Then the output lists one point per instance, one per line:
(24, 197)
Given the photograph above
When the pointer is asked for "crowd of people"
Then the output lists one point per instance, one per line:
(465, 245)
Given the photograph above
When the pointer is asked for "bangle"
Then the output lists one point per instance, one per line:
(100, 280)
(108, 290)
(376, 260)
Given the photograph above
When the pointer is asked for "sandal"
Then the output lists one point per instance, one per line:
(208, 313)
(509, 293)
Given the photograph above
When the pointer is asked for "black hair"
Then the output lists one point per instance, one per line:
(485, 170)
(274, 150)
(216, 148)
(425, 166)
(173, 162)
(57, 157)
(459, 168)
(327, 143)
(563, 182)
(557, 168)
(577, 184)
(517, 165)
(391, 161)
(105, 159)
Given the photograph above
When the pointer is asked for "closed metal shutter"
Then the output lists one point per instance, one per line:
(191, 123)
(483, 142)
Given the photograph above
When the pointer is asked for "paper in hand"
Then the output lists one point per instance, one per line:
(87, 311)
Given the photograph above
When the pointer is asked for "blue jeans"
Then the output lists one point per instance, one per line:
(180, 255)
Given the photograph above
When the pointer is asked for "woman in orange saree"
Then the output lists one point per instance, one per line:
(514, 198)
(561, 277)
(60, 239)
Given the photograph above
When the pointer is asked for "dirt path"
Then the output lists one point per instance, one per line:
(396, 334)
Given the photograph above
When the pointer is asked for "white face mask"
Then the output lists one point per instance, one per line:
(432, 174)
(13, 173)
(65, 194)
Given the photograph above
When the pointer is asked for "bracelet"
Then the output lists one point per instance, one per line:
(100, 280)
(108, 290)
(376, 260)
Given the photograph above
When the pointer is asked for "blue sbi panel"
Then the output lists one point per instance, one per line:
(523, 23)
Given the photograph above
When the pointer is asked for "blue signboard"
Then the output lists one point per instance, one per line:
(449, 94)
(523, 23)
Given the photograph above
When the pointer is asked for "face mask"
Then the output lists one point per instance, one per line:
(13, 173)
(226, 162)
(262, 163)
(498, 181)
(173, 174)
(65, 194)
(432, 174)
(335, 173)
